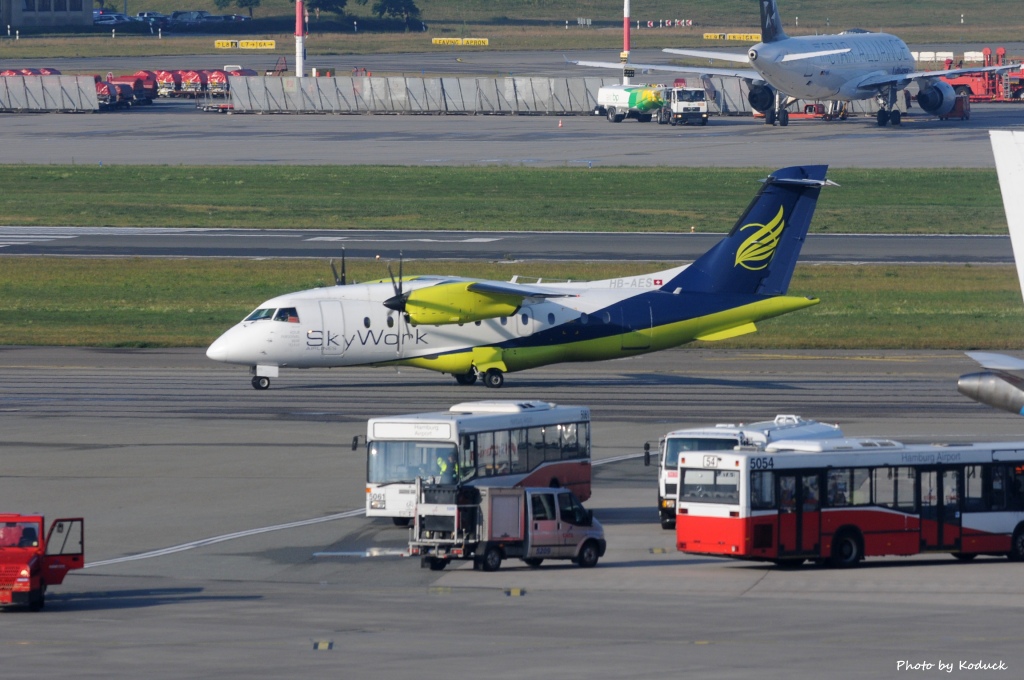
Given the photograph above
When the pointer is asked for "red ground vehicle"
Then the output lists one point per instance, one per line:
(168, 83)
(990, 87)
(143, 87)
(28, 564)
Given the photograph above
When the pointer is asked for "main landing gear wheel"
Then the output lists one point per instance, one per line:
(494, 378)
(260, 382)
(466, 378)
(783, 118)
(769, 117)
(883, 117)
(894, 117)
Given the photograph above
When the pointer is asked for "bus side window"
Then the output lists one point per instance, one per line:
(467, 464)
(894, 488)
(519, 450)
(762, 490)
(1015, 489)
(974, 488)
(839, 487)
(860, 493)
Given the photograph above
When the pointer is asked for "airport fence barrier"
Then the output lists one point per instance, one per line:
(48, 93)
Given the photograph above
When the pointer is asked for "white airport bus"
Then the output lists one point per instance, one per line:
(726, 437)
(486, 443)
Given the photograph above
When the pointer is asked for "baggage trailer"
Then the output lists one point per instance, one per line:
(28, 564)
(491, 524)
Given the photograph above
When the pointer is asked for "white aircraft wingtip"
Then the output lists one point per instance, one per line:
(1008, 149)
(997, 362)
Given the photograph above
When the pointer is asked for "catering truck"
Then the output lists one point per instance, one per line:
(490, 524)
(726, 437)
(28, 564)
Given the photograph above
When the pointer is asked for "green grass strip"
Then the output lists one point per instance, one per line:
(943, 201)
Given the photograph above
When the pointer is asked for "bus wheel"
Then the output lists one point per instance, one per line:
(588, 555)
(36, 600)
(668, 523)
(492, 559)
(533, 562)
(846, 550)
(436, 564)
(1016, 553)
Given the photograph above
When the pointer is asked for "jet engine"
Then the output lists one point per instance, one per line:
(1000, 390)
(449, 303)
(761, 98)
(937, 98)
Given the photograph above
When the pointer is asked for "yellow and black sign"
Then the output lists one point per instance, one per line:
(245, 44)
(744, 37)
(461, 41)
(714, 36)
(257, 44)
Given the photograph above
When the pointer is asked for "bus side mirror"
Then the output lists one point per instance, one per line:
(647, 454)
(355, 442)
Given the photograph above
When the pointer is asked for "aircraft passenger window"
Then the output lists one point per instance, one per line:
(584, 319)
(551, 318)
(606, 317)
(525, 319)
(287, 314)
(504, 321)
(391, 322)
(260, 314)
(366, 321)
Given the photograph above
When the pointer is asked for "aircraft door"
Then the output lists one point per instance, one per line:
(333, 317)
(525, 322)
(637, 325)
(940, 509)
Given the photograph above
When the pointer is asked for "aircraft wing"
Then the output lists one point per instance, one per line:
(462, 301)
(749, 74)
(997, 362)
(877, 79)
(744, 59)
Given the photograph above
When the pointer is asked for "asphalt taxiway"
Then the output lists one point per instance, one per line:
(224, 535)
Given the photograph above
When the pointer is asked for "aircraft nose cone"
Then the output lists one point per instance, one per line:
(218, 351)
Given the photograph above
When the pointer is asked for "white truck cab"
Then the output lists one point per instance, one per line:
(726, 437)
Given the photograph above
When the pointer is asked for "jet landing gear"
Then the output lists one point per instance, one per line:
(492, 377)
(260, 382)
(888, 113)
(778, 113)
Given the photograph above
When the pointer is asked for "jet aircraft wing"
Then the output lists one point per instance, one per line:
(524, 291)
(749, 74)
(744, 59)
(997, 362)
(878, 79)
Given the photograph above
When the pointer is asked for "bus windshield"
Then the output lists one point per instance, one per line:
(676, 445)
(403, 461)
(710, 486)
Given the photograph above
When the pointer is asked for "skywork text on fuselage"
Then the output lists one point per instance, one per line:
(368, 338)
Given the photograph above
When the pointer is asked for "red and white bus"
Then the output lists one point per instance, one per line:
(486, 443)
(841, 500)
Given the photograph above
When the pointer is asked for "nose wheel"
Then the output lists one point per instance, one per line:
(260, 382)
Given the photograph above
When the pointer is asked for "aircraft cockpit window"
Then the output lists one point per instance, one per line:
(287, 314)
(261, 314)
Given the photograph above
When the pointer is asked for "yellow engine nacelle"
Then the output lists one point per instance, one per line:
(454, 303)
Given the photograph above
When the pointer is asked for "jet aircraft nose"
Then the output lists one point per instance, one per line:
(218, 351)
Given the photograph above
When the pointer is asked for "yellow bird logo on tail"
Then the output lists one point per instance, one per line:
(756, 252)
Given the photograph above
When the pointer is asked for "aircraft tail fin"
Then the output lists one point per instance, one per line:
(1008, 149)
(771, 23)
(759, 254)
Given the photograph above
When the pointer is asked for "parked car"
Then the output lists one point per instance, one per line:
(111, 19)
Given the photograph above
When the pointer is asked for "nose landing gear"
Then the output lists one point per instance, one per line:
(260, 382)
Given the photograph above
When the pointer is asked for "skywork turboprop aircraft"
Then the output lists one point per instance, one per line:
(1002, 385)
(472, 328)
(855, 64)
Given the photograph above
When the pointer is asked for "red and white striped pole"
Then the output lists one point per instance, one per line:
(300, 39)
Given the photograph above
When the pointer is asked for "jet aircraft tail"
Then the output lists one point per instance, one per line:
(771, 23)
(759, 254)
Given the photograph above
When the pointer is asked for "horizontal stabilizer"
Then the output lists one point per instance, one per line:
(733, 332)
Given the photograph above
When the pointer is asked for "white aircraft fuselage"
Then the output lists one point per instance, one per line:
(835, 75)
